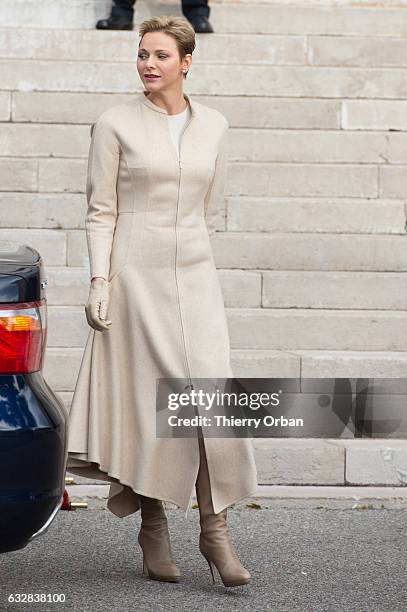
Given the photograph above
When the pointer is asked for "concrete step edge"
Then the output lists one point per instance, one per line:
(276, 492)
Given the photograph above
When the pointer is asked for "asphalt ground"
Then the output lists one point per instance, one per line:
(303, 555)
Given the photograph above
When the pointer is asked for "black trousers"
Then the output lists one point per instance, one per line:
(190, 8)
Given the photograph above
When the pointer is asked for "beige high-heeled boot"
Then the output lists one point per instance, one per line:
(154, 540)
(215, 542)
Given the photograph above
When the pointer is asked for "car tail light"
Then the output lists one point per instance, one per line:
(23, 336)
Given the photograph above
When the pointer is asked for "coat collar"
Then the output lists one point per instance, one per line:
(147, 102)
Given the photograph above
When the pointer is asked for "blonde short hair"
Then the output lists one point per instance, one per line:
(177, 27)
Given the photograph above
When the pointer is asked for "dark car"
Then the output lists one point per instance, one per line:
(33, 419)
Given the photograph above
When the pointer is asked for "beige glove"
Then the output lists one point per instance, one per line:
(96, 308)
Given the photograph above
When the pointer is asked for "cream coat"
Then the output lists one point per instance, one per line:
(149, 222)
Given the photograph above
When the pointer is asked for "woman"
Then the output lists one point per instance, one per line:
(156, 177)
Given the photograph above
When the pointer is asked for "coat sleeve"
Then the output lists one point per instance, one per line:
(215, 198)
(101, 195)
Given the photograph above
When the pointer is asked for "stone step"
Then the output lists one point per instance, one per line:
(247, 145)
(286, 17)
(247, 111)
(69, 286)
(244, 214)
(325, 215)
(343, 330)
(258, 179)
(48, 13)
(219, 48)
(305, 462)
(320, 252)
(298, 496)
(282, 329)
(265, 289)
(242, 111)
(336, 290)
(301, 462)
(250, 79)
(260, 363)
(251, 251)
(101, 46)
(350, 363)
(331, 462)
(62, 364)
(244, 178)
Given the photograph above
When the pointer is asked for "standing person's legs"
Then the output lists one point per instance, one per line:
(122, 13)
(197, 13)
(123, 8)
(121, 16)
(195, 8)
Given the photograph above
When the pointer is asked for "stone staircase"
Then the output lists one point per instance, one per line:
(313, 254)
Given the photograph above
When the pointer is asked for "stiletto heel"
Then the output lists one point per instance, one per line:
(210, 567)
(212, 572)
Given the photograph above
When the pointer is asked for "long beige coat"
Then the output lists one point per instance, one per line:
(149, 223)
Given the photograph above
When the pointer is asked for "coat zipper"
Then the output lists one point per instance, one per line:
(175, 267)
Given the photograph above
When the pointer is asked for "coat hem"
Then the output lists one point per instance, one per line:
(134, 505)
(238, 499)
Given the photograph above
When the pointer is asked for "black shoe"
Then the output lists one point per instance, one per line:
(201, 24)
(114, 23)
